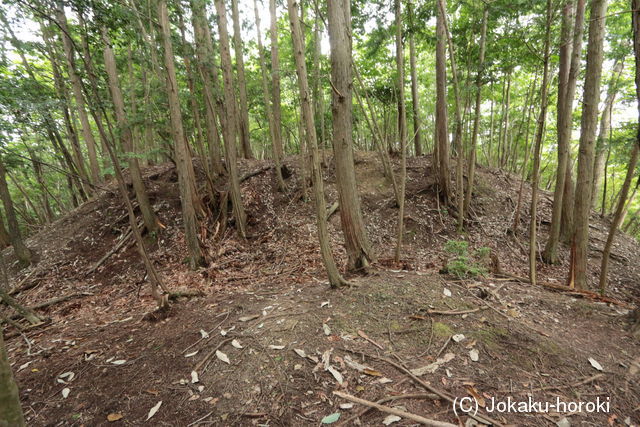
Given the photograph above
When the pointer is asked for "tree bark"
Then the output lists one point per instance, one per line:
(76, 86)
(603, 132)
(242, 83)
(617, 217)
(359, 252)
(23, 253)
(533, 247)
(126, 137)
(230, 120)
(402, 127)
(476, 120)
(186, 176)
(442, 131)
(591, 98)
(206, 68)
(10, 409)
(335, 279)
(267, 102)
(275, 81)
(570, 54)
(415, 97)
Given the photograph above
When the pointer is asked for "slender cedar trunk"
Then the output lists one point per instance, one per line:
(23, 253)
(533, 247)
(275, 81)
(617, 217)
(305, 178)
(476, 120)
(11, 412)
(76, 86)
(267, 102)
(505, 123)
(22, 311)
(629, 202)
(584, 180)
(378, 137)
(186, 177)
(415, 98)
(442, 129)
(37, 167)
(5, 239)
(79, 178)
(603, 132)
(570, 53)
(402, 127)
(28, 202)
(491, 121)
(243, 116)
(335, 279)
(228, 126)
(525, 162)
(198, 133)
(157, 286)
(359, 252)
(91, 74)
(208, 74)
(126, 137)
(457, 140)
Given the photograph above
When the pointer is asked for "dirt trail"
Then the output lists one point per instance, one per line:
(265, 305)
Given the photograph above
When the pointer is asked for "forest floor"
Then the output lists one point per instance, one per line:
(267, 342)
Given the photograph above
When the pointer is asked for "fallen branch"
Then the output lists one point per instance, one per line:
(254, 173)
(453, 312)
(57, 300)
(403, 414)
(389, 399)
(428, 387)
(333, 209)
(108, 255)
(206, 358)
(577, 384)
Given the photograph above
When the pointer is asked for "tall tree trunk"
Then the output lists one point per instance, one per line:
(476, 120)
(186, 177)
(206, 68)
(603, 132)
(126, 137)
(442, 129)
(533, 246)
(415, 97)
(457, 140)
(359, 252)
(23, 253)
(506, 131)
(335, 279)
(617, 217)
(275, 81)
(590, 101)
(76, 86)
(228, 125)
(242, 84)
(11, 411)
(570, 54)
(267, 102)
(402, 127)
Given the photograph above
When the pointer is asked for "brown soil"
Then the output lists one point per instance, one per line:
(269, 294)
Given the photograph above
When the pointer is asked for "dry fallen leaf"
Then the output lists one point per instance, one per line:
(595, 364)
(153, 410)
(220, 355)
(114, 417)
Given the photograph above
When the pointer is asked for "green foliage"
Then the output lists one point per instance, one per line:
(466, 265)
